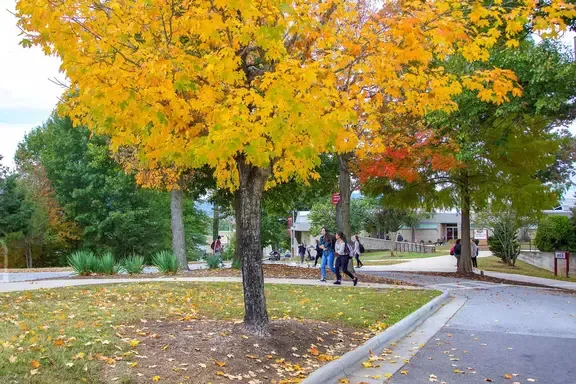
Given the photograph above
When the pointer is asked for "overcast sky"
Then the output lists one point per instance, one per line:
(27, 96)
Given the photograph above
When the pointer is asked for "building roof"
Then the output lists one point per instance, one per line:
(302, 224)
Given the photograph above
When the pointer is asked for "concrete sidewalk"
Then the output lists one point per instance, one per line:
(430, 264)
(533, 280)
(48, 284)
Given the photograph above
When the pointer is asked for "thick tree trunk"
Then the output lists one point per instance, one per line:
(413, 230)
(343, 206)
(215, 222)
(465, 265)
(252, 180)
(177, 221)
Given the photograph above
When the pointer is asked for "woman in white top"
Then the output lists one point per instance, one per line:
(474, 252)
(342, 257)
(357, 251)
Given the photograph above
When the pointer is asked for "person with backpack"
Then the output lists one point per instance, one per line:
(474, 252)
(343, 254)
(456, 251)
(327, 247)
(217, 248)
(358, 249)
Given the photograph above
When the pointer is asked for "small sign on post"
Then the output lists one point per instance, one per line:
(481, 234)
(335, 198)
(561, 255)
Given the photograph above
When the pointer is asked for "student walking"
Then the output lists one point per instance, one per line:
(475, 250)
(301, 252)
(327, 247)
(318, 253)
(456, 251)
(342, 257)
(358, 249)
(218, 249)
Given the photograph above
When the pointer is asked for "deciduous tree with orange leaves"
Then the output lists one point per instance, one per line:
(258, 89)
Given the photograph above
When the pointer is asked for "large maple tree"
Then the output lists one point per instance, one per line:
(259, 89)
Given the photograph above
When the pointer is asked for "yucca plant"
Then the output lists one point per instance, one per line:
(166, 262)
(236, 263)
(213, 262)
(83, 262)
(107, 265)
(133, 265)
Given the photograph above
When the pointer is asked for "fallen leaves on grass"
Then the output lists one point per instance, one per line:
(80, 330)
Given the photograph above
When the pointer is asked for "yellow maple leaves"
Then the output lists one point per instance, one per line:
(280, 83)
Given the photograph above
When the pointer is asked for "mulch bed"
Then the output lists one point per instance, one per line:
(217, 352)
(270, 271)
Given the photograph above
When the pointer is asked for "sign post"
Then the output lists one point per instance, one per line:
(335, 198)
(561, 255)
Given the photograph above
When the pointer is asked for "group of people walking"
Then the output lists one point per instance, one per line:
(336, 253)
(456, 251)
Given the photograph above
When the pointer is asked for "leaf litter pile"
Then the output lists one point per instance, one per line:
(177, 332)
(222, 352)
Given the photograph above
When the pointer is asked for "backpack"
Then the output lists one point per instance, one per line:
(361, 247)
(349, 249)
(212, 245)
(452, 251)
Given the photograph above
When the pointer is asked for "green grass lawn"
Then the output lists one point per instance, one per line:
(494, 264)
(68, 335)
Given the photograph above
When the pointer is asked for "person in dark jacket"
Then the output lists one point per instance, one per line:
(301, 252)
(457, 252)
(318, 253)
(357, 251)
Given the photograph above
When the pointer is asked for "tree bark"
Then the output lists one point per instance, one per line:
(252, 181)
(177, 222)
(238, 234)
(393, 237)
(343, 206)
(215, 222)
(465, 265)
(28, 255)
(413, 230)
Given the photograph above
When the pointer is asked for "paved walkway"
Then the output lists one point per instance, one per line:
(430, 264)
(534, 280)
(8, 277)
(47, 284)
(526, 333)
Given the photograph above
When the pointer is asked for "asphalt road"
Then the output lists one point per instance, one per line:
(526, 333)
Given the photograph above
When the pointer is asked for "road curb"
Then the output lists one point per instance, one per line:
(331, 372)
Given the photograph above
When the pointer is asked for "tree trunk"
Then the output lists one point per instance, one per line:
(343, 206)
(393, 237)
(413, 230)
(465, 265)
(177, 221)
(215, 222)
(252, 180)
(28, 255)
(238, 234)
